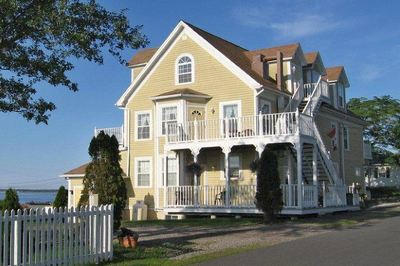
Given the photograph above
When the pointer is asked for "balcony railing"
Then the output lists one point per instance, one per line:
(243, 196)
(112, 131)
(277, 124)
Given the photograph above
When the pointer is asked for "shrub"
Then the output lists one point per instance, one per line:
(61, 199)
(384, 192)
(269, 193)
(11, 200)
(103, 175)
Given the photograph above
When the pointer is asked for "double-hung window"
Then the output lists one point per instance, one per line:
(168, 116)
(172, 177)
(346, 144)
(184, 70)
(143, 172)
(234, 167)
(143, 121)
(341, 97)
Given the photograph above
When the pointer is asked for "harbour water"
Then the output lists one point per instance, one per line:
(33, 196)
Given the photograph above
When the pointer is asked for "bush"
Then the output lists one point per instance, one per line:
(384, 192)
(11, 201)
(269, 193)
(61, 199)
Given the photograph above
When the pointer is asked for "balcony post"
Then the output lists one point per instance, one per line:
(227, 150)
(196, 127)
(315, 174)
(260, 124)
(195, 153)
(299, 147)
(290, 179)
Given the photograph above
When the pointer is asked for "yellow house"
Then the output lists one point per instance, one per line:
(201, 99)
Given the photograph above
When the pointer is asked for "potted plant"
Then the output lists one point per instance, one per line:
(194, 168)
(128, 238)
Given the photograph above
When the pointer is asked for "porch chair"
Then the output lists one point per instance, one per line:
(220, 198)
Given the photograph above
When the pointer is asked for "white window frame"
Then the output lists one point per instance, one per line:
(346, 136)
(177, 69)
(264, 101)
(162, 163)
(160, 108)
(335, 125)
(341, 93)
(145, 158)
(137, 113)
(222, 176)
(221, 113)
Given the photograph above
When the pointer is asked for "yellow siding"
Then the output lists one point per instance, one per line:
(222, 87)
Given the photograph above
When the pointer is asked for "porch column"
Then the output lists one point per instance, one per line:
(227, 150)
(290, 179)
(259, 148)
(165, 178)
(299, 147)
(315, 174)
(195, 153)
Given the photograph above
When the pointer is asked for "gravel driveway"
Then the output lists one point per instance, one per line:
(200, 240)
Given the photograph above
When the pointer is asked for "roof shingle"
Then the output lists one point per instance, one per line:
(142, 56)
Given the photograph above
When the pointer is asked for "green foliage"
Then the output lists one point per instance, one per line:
(384, 192)
(269, 193)
(39, 40)
(383, 117)
(61, 199)
(11, 200)
(104, 175)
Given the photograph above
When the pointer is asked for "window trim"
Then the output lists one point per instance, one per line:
(222, 175)
(137, 113)
(162, 162)
(145, 158)
(159, 114)
(177, 69)
(346, 136)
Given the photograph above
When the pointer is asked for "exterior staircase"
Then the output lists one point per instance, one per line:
(307, 99)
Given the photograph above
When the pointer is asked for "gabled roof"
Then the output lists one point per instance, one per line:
(234, 53)
(142, 56)
(337, 73)
(288, 50)
(79, 171)
(314, 59)
(311, 57)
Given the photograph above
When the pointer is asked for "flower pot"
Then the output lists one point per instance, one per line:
(128, 241)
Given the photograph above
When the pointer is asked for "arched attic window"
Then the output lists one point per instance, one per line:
(184, 69)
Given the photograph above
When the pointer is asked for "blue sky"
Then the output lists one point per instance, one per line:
(362, 35)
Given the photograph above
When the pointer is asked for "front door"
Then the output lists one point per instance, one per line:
(230, 123)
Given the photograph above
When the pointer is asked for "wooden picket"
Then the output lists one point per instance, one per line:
(56, 236)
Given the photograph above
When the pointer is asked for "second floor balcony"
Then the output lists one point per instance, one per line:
(118, 132)
(273, 126)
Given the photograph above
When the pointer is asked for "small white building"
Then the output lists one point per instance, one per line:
(381, 175)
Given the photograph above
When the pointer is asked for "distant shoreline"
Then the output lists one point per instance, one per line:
(30, 190)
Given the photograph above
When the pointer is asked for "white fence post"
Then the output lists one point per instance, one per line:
(56, 236)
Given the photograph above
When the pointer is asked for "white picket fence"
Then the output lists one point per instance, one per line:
(56, 236)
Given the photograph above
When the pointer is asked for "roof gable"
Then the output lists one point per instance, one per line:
(314, 59)
(142, 56)
(337, 74)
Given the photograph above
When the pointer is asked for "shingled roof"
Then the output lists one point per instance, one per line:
(311, 57)
(288, 50)
(142, 56)
(333, 73)
(79, 171)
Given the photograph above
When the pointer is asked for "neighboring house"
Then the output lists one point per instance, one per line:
(199, 98)
(382, 175)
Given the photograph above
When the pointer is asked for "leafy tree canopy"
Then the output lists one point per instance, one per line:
(383, 117)
(38, 40)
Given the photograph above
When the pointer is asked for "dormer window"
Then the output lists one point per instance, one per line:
(341, 97)
(184, 69)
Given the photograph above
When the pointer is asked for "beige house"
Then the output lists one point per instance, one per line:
(199, 98)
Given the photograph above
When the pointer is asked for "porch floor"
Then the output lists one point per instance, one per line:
(285, 211)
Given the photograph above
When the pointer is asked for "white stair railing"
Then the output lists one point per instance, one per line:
(296, 99)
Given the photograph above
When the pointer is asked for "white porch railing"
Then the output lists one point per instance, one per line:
(315, 94)
(243, 196)
(118, 132)
(334, 196)
(277, 124)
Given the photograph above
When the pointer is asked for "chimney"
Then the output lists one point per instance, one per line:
(279, 70)
(257, 64)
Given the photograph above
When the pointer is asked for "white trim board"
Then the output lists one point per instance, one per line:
(181, 28)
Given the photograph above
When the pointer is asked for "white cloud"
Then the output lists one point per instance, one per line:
(290, 24)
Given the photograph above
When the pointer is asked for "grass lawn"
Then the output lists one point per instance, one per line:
(196, 222)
